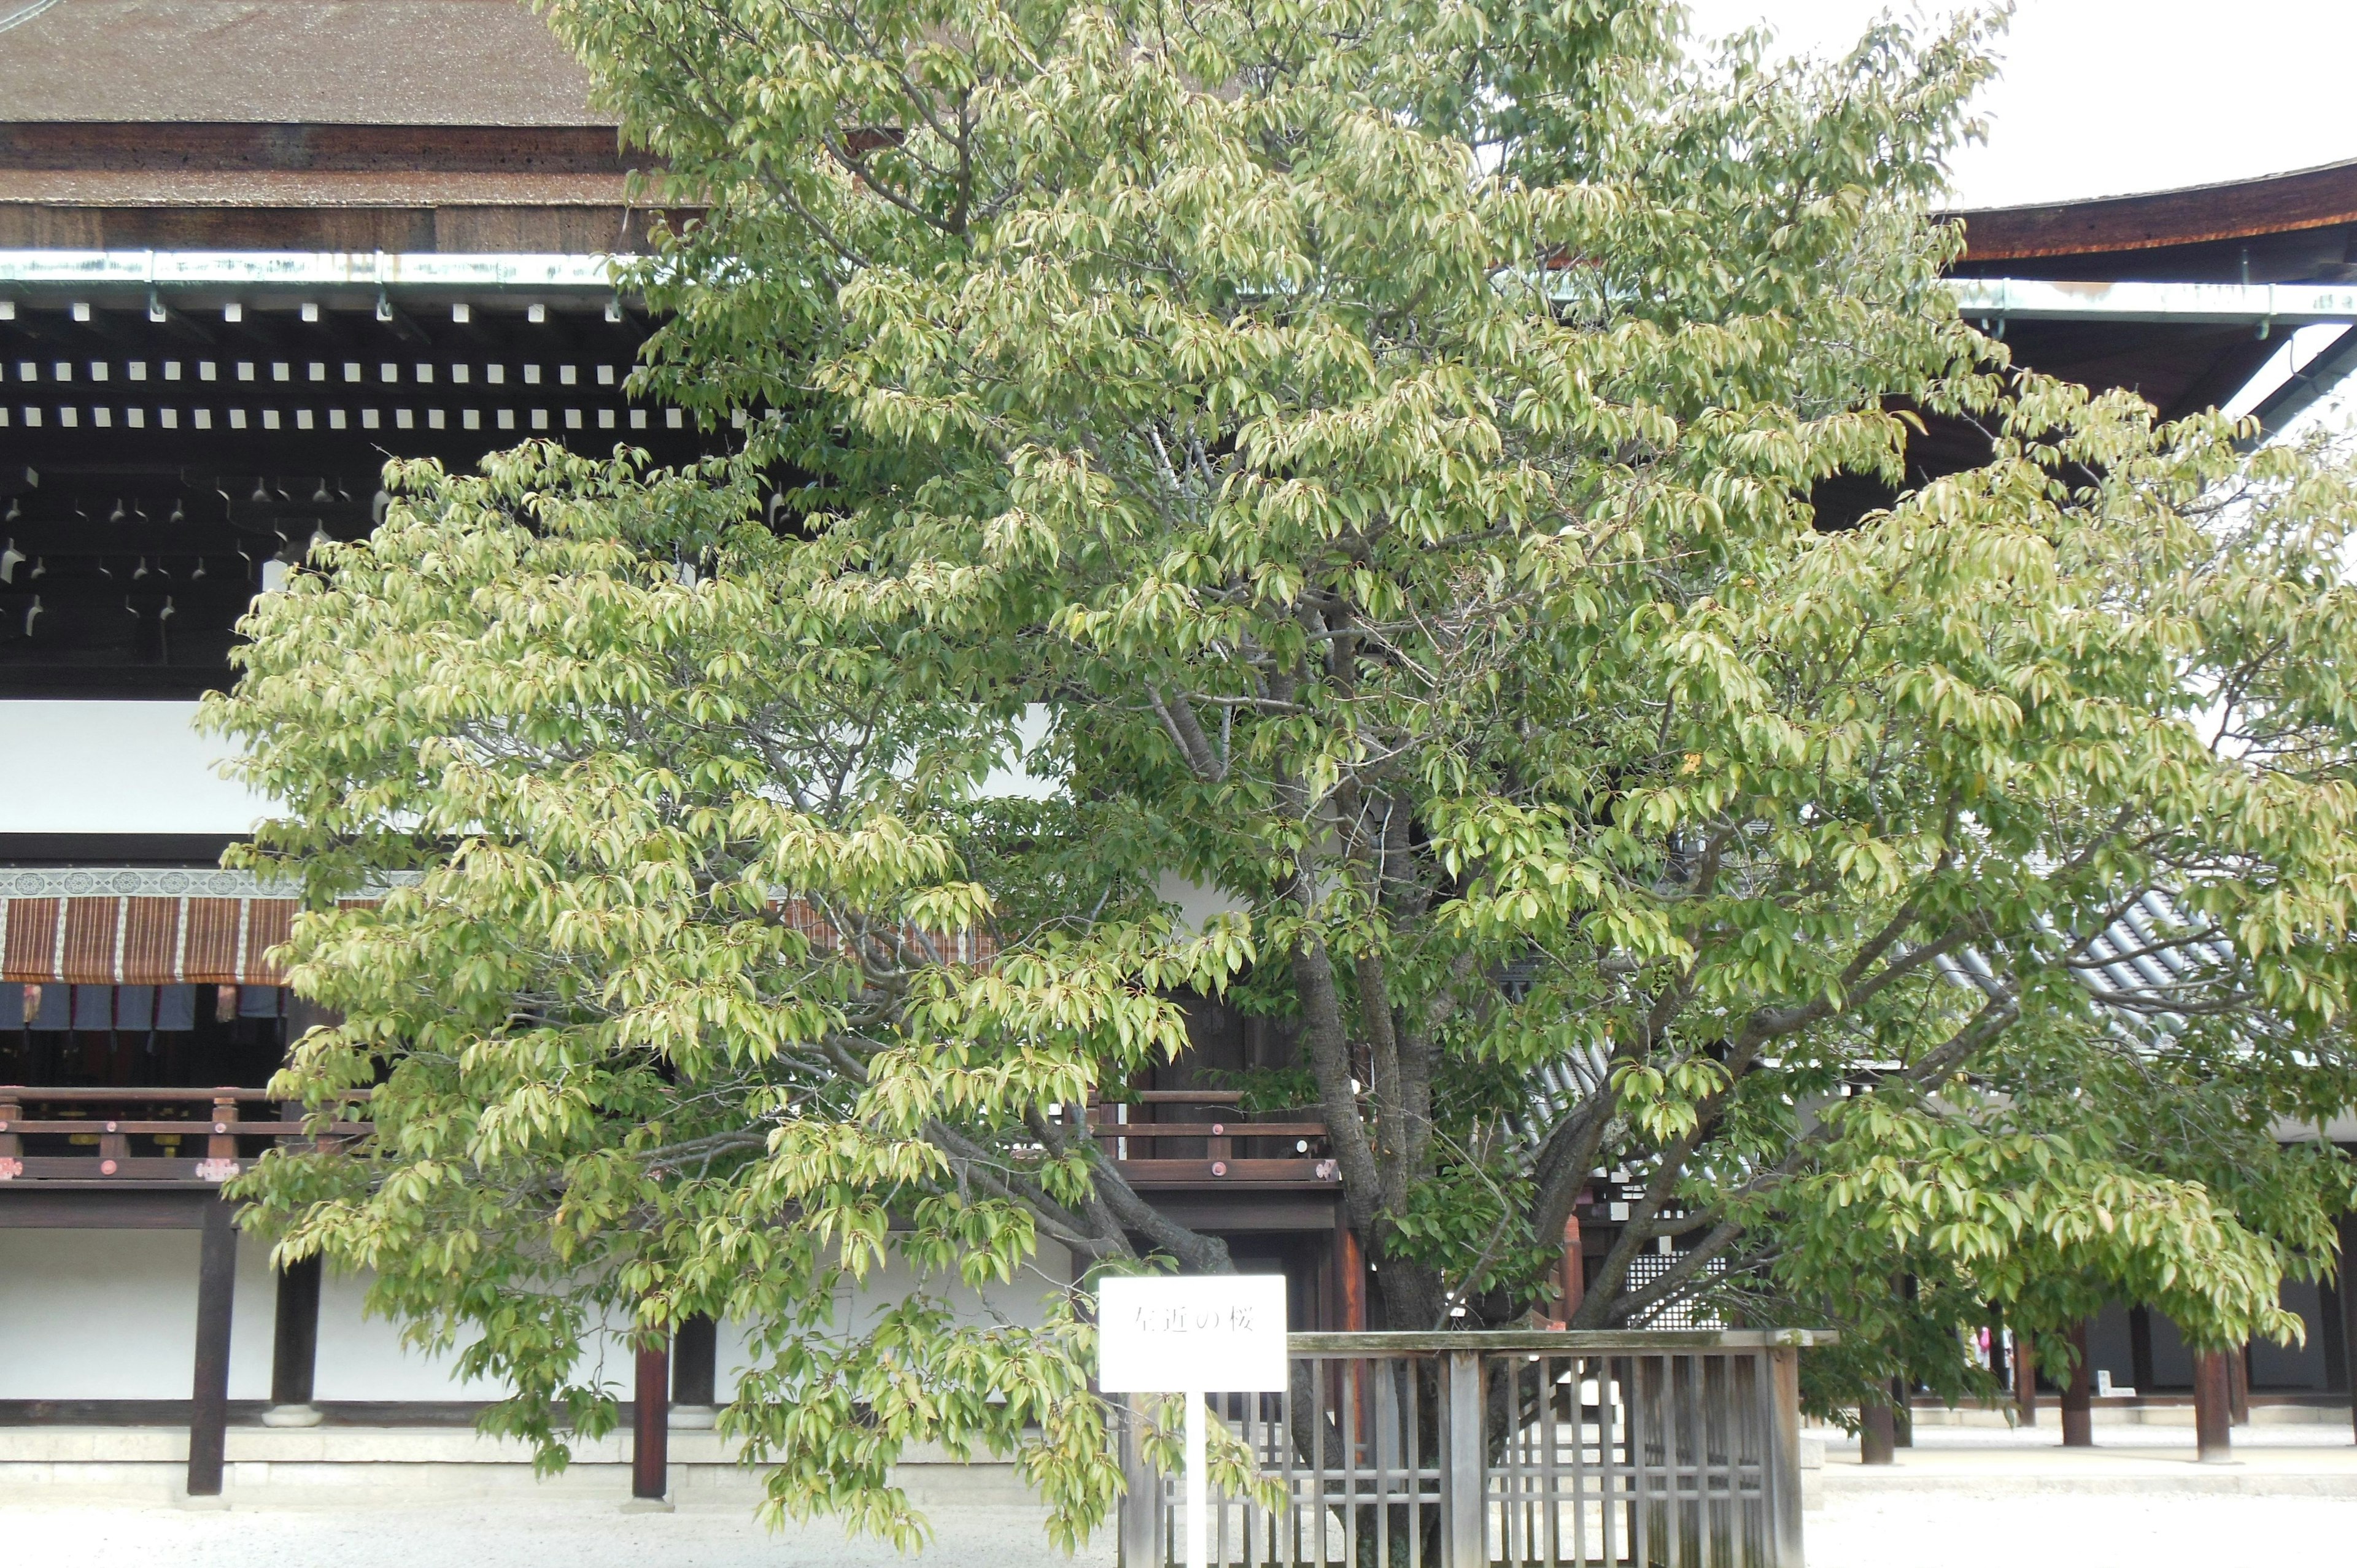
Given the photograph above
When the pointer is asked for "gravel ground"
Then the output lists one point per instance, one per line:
(1913, 1530)
(508, 1534)
(2303, 1435)
(1888, 1530)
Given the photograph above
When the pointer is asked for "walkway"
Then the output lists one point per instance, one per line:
(1965, 1497)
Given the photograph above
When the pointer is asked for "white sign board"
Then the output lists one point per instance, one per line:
(1210, 1333)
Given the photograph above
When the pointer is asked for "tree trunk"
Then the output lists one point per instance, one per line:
(2079, 1395)
(1877, 1434)
(2213, 1407)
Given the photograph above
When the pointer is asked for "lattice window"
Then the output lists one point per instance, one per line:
(1686, 1313)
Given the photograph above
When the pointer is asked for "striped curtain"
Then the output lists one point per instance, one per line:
(135, 940)
(151, 940)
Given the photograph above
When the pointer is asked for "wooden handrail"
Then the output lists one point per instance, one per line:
(189, 1129)
(92, 1094)
(1153, 1130)
(1559, 1341)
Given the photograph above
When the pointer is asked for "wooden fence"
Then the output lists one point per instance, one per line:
(1652, 1449)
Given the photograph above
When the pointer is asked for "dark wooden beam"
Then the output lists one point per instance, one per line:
(114, 849)
(180, 146)
(208, 1398)
(97, 1206)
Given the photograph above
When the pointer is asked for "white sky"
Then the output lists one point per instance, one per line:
(2100, 97)
(2103, 97)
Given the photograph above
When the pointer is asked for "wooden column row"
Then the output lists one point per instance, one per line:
(294, 1361)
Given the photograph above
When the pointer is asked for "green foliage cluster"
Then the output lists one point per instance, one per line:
(1363, 456)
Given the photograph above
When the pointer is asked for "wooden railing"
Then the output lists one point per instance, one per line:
(1135, 1146)
(100, 1134)
(103, 1137)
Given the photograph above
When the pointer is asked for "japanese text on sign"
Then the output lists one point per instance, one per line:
(1220, 1333)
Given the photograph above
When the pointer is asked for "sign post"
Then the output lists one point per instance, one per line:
(1221, 1333)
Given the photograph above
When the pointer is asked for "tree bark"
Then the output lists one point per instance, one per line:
(1877, 1434)
(2078, 1394)
(2212, 1408)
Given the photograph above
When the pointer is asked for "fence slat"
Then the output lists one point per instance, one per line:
(1462, 1451)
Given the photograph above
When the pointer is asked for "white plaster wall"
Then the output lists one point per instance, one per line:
(112, 1315)
(116, 768)
(1023, 1301)
(362, 1358)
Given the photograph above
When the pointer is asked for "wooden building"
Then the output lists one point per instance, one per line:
(247, 253)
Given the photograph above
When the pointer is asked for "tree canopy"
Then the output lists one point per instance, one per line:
(1364, 459)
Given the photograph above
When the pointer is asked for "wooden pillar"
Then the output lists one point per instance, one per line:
(1878, 1433)
(2079, 1395)
(2213, 1407)
(2025, 1376)
(1572, 1271)
(2348, 1293)
(1349, 1274)
(208, 1398)
(651, 1424)
(1464, 1507)
(1783, 1467)
(295, 1346)
(2140, 1350)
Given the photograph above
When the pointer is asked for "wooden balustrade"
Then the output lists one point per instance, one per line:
(211, 1118)
(1308, 1164)
(217, 1120)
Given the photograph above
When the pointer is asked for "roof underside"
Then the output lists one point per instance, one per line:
(2285, 228)
(2299, 227)
(384, 62)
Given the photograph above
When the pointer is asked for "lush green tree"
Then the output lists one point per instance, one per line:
(1378, 442)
